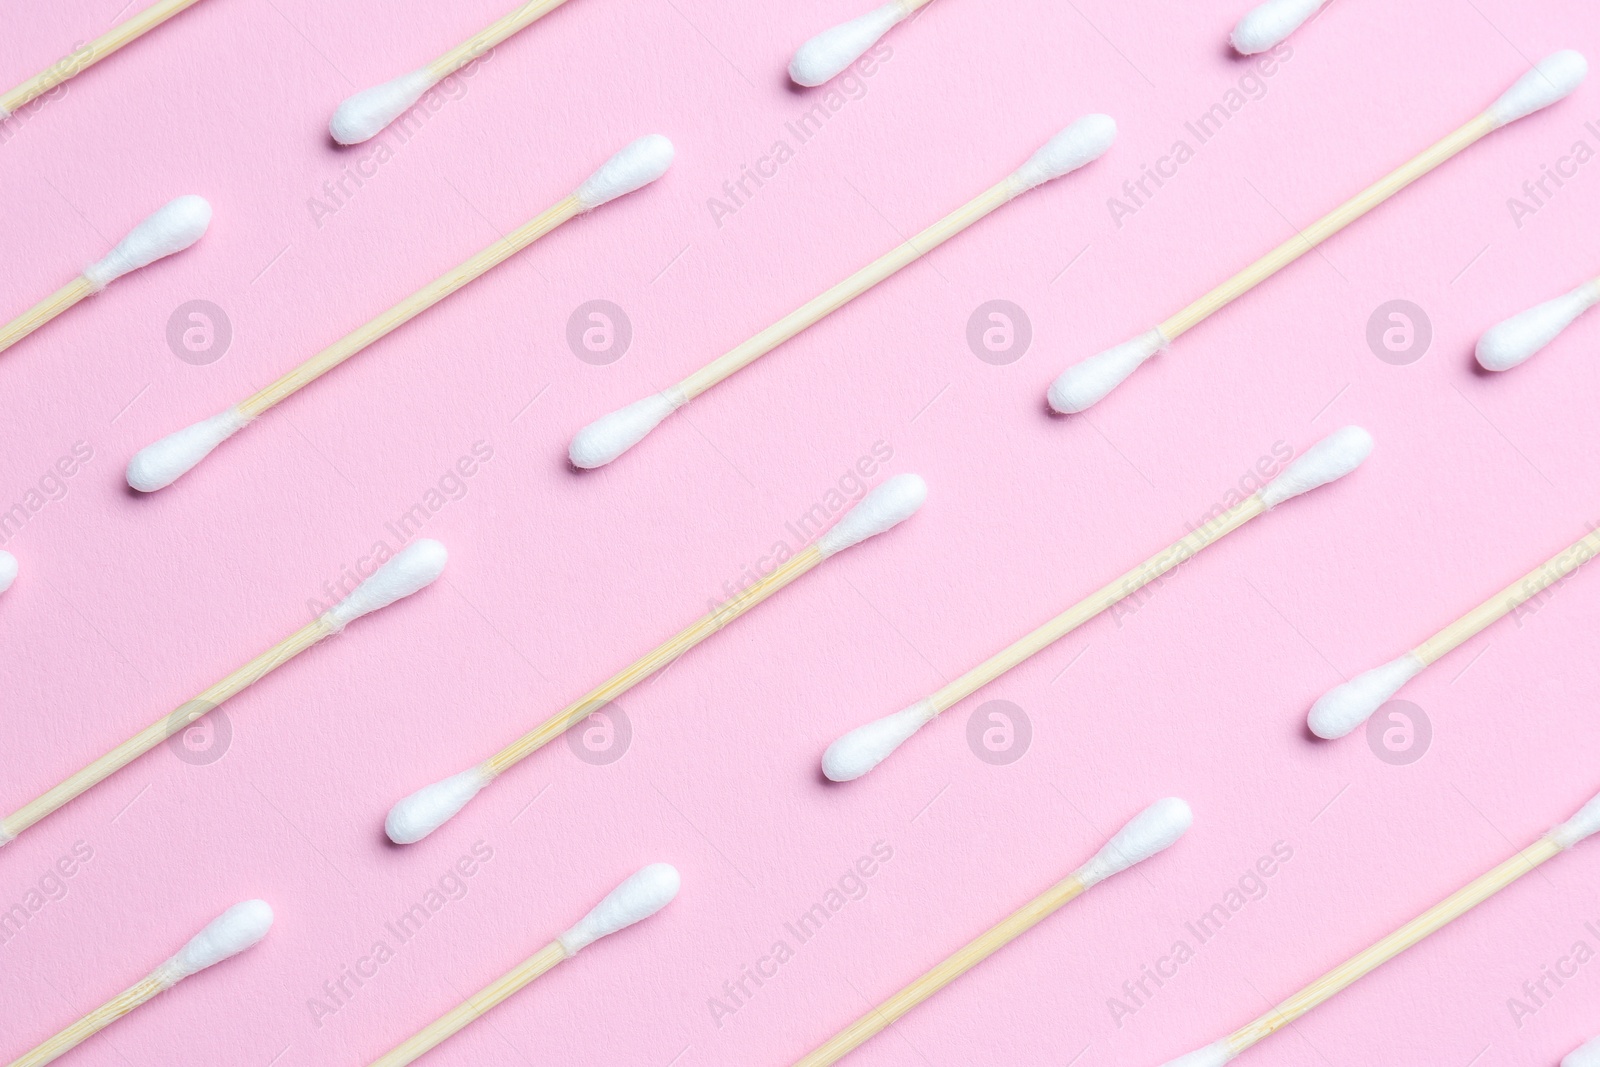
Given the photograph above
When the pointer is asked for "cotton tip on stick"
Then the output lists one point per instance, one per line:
(1347, 706)
(640, 897)
(429, 808)
(862, 749)
(171, 229)
(1271, 23)
(415, 567)
(8, 570)
(1157, 828)
(361, 116)
(1513, 341)
(160, 464)
(1560, 838)
(1091, 380)
(611, 435)
(825, 56)
(84, 56)
(1588, 1055)
(235, 930)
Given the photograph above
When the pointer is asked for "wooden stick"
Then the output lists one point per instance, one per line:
(1153, 830)
(44, 311)
(1582, 825)
(180, 719)
(1325, 227)
(88, 55)
(474, 1007)
(140, 992)
(498, 31)
(562, 211)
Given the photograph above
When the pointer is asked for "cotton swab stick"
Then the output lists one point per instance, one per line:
(1517, 338)
(424, 811)
(1271, 23)
(608, 437)
(640, 897)
(1086, 383)
(415, 567)
(164, 462)
(1345, 707)
(171, 229)
(235, 930)
(1587, 1056)
(1151, 831)
(1582, 825)
(825, 56)
(8, 570)
(863, 748)
(364, 114)
(86, 56)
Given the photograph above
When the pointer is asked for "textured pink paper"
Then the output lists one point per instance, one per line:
(128, 605)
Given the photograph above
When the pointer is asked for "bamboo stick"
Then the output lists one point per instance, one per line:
(81, 59)
(490, 36)
(141, 992)
(45, 310)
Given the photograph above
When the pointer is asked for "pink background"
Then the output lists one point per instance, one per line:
(126, 605)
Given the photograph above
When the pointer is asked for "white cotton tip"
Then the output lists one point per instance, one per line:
(640, 897)
(1085, 384)
(636, 166)
(227, 935)
(1081, 143)
(158, 465)
(1271, 24)
(1517, 338)
(886, 507)
(430, 807)
(863, 748)
(609, 436)
(1552, 79)
(171, 229)
(1587, 1056)
(1152, 830)
(8, 570)
(417, 566)
(827, 54)
(1330, 459)
(361, 116)
(1345, 707)
(1581, 826)
(1211, 1056)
